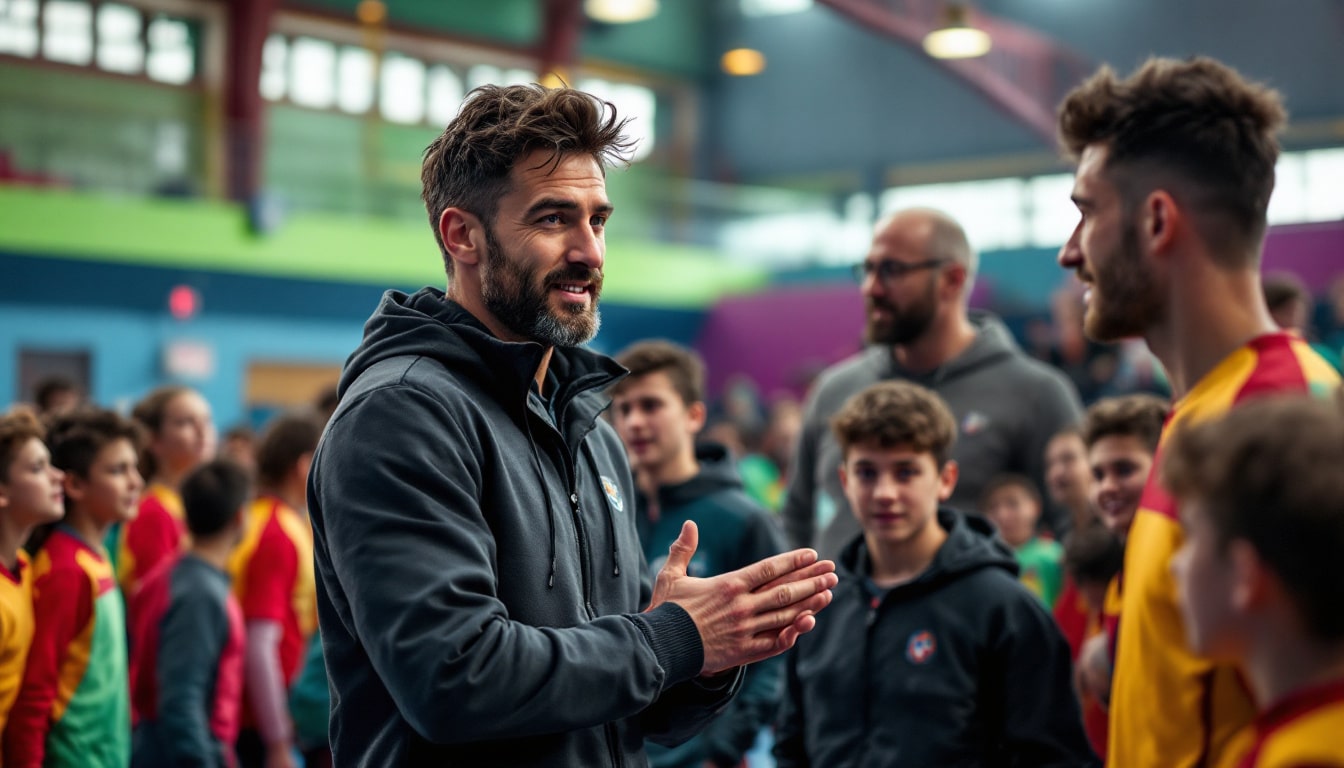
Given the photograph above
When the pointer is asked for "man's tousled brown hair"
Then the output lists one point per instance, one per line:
(897, 414)
(468, 165)
(1196, 128)
(1269, 473)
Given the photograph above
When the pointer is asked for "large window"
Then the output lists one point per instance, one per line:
(1009, 213)
(113, 37)
(321, 74)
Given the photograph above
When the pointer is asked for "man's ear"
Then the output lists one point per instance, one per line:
(954, 279)
(1161, 218)
(463, 235)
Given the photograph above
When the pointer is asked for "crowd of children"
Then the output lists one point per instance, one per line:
(156, 604)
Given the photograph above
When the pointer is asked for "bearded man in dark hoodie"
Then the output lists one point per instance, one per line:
(481, 590)
(658, 411)
(916, 284)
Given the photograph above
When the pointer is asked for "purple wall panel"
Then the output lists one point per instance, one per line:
(774, 337)
(1315, 252)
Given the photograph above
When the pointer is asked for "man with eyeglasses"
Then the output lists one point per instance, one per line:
(916, 283)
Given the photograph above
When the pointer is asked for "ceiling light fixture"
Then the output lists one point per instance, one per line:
(620, 11)
(743, 62)
(956, 38)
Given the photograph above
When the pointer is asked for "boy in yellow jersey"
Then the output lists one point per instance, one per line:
(30, 494)
(1262, 502)
(1175, 170)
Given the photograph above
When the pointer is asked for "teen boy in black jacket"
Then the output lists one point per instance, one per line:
(932, 654)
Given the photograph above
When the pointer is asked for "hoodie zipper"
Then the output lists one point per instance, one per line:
(581, 538)
(874, 603)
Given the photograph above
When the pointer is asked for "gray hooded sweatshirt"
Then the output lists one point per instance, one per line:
(1007, 407)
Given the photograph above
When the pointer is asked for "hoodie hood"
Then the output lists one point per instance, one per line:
(429, 324)
(718, 472)
(970, 546)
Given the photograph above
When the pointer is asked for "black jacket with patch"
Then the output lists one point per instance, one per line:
(961, 667)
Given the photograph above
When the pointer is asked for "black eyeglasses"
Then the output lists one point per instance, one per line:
(891, 269)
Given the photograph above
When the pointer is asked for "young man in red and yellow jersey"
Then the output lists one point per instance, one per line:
(1175, 170)
(273, 578)
(30, 495)
(1262, 502)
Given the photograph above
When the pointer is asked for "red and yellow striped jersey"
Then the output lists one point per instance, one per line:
(158, 532)
(1169, 707)
(16, 630)
(73, 708)
(1301, 731)
(272, 572)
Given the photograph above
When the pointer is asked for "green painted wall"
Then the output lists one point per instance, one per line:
(204, 235)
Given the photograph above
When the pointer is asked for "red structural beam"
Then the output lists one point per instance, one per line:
(562, 26)
(1024, 75)
(244, 108)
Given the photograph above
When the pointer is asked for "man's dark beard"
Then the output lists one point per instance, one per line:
(510, 292)
(905, 326)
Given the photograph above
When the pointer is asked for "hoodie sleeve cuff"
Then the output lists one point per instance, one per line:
(675, 641)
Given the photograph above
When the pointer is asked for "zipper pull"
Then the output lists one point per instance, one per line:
(873, 603)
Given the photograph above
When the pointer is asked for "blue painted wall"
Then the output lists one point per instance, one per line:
(118, 313)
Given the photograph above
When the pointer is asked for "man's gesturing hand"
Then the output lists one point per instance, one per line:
(749, 614)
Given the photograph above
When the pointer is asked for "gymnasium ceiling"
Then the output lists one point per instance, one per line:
(845, 102)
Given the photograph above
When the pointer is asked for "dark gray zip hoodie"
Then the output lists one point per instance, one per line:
(479, 574)
(1007, 407)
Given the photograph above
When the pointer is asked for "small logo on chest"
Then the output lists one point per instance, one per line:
(613, 494)
(921, 647)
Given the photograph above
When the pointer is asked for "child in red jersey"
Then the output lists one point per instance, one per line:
(30, 495)
(180, 437)
(1262, 505)
(73, 708)
(187, 633)
(272, 573)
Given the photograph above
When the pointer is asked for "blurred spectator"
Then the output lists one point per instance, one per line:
(1013, 504)
(187, 633)
(272, 573)
(1290, 304)
(56, 396)
(1068, 478)
(326, 401)
(181, 437)
(1334, 333)
(73, 708)
(1093, 556)
(30, 495)
(765, 472)
(239, 445)
(657, 410)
